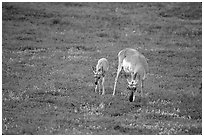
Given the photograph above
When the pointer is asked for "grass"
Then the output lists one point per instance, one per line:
(48, 50)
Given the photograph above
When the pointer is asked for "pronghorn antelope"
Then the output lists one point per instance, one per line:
(100, 72)
(135, 64)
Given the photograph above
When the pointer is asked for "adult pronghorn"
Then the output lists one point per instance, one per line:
(100, 73)
(134, 63)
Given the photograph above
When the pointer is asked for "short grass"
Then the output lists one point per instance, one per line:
(48, 50)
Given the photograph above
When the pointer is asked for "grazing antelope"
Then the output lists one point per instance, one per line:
(136, 65)
(100, 72)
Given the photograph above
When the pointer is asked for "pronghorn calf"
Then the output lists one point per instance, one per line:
(135, 64)
(100, 72)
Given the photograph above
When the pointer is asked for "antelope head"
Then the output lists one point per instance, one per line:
(97, 75)
(132, 84)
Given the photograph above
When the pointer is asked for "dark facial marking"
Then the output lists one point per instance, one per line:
(97, 77)
(131, 96)
(132, 87)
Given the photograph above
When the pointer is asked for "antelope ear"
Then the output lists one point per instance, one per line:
(135, 76)
(129, 82)
(93, 70)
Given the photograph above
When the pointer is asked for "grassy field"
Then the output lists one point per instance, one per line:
(48, 50)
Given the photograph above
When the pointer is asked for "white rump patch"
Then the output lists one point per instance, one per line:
(127, 66)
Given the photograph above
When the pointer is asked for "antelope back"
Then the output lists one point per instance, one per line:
(102, 65)
(135, 61)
